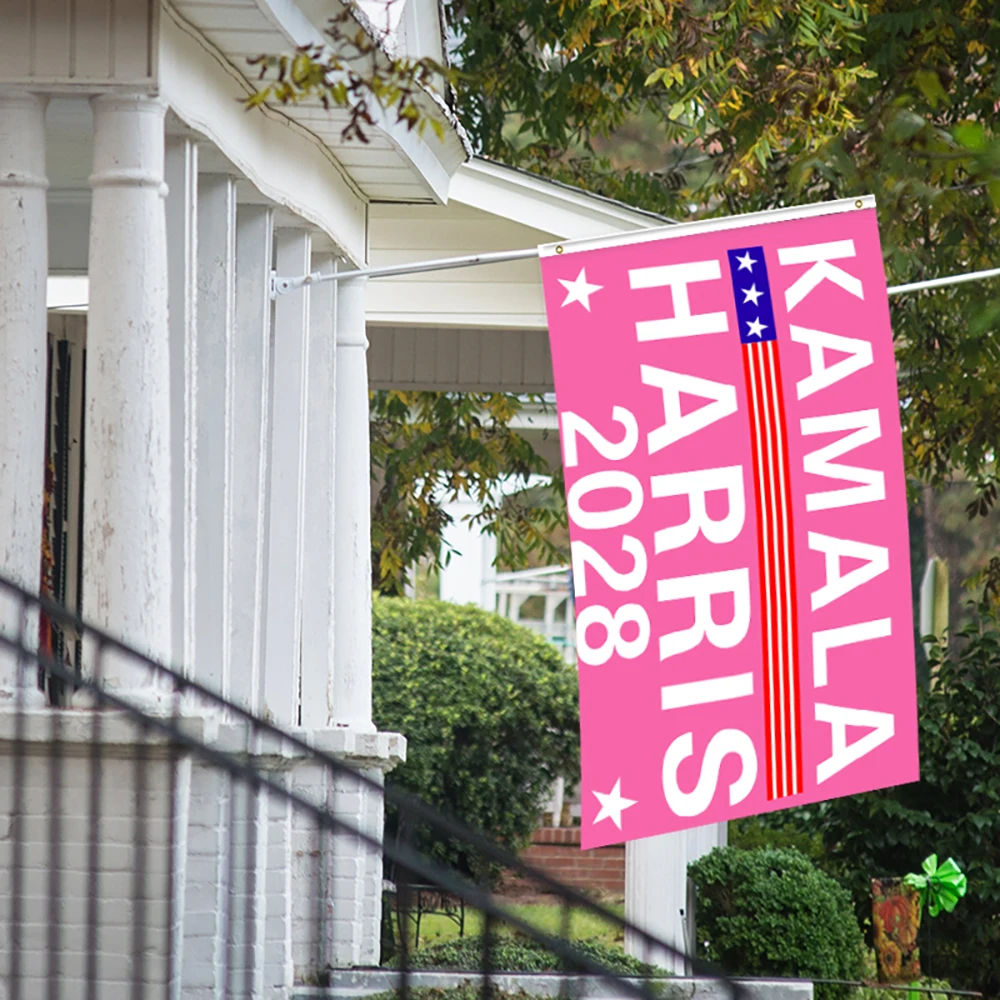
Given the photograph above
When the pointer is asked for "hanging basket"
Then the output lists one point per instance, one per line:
(896, 917)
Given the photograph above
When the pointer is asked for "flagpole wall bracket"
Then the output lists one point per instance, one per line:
(282, 286)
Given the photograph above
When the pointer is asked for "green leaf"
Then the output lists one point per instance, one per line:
(971, 135)
(905, 124)
(993, 191)
(929, 84)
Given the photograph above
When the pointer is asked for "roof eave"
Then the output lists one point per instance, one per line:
(565, 211)
(434, 159)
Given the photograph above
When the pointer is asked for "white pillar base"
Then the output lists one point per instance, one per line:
(352, 869)
(316, 896)
(154, 793)
(656, 896)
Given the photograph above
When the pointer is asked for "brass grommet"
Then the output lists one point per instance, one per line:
(559, 249)
(859, 204)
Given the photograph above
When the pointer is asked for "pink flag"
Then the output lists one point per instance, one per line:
(734, 473)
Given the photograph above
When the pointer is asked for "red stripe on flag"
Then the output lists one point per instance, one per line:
(772, 542)
(793, 623)
(757, 463)
(775, 540)
(754, 393)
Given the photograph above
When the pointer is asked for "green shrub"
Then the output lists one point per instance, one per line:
(464, 991)
(521, 954)
(953, 810)
(771, 912)
(768, 831)
(874, 993)
(490, 713)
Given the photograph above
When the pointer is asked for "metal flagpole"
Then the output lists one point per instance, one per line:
(952, 279)
(281, 286)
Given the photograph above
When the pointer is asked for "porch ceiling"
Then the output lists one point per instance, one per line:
(396, 165)
(69, 144)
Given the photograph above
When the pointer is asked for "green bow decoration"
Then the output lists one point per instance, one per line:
(940, 887)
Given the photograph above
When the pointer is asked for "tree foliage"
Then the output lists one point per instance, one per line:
(490, 714)
(757, 104)
(354, 71)
(429, 447)
(732, 84)
(954, 810)
(761, 104)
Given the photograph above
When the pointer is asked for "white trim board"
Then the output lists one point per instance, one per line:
(712, 225)
(566, 212)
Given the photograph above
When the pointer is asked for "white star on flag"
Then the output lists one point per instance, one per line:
(579, 290)
(756, 328)
(613, 805)
(746, 262)
(751, 294)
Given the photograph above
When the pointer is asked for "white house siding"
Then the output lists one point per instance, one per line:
(459, 359)
(480, 328)
(110, 44)
(496, 295)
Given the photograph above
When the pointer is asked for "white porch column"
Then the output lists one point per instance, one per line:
(352, 671)
(318, 573)
(287, 487)
(656, 890)
(213, 420)
(247, 524)
(356, 890)
(655, 894)
(182, 266)
(469, 578)
(24, 259)
(127, 574)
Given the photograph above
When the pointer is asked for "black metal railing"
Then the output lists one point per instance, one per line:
(149, 852)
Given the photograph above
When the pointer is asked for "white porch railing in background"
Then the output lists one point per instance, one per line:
(539, 599)
(542, 600)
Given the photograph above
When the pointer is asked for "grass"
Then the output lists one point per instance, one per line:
(547, 917)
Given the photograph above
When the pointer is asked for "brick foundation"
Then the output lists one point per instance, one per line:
(556, 851)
